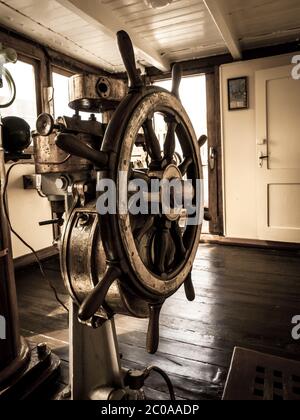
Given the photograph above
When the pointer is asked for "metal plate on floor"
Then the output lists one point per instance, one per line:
(262, 377)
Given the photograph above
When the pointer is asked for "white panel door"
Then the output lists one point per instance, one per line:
(278, 154)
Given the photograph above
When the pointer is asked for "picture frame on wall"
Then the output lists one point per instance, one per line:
(238, 97)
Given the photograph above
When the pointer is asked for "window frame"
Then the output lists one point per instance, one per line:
(36, 69)
(62, 71)
(44, 60)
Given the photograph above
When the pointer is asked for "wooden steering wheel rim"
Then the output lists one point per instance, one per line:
(116, 231)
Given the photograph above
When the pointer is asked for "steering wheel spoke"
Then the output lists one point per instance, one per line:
(170, 142)
(145, 229)
(152, 143)
(163, 247)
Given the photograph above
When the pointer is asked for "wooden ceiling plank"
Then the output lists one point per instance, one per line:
(224, 26)
(101, 16)
(157, 14)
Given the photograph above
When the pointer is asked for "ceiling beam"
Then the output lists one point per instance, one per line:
(100, 16)
(224, 26)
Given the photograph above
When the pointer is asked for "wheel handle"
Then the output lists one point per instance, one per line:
(128, 57)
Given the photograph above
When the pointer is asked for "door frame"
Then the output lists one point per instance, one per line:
(215, 176)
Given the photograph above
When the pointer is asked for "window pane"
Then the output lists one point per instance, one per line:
(193, 98)
(61, 98)
(25, 103)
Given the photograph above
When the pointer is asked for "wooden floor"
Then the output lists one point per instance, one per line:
(245, 297)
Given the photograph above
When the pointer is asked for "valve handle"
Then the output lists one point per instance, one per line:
(72, 145)
(128, 57)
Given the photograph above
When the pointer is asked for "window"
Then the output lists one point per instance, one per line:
(61, 98)
(25, 105)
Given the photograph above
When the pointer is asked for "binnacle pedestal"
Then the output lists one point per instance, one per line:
(95, 365)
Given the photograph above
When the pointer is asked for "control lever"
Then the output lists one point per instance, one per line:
(96, 297)
(72, 145)
(58, 222)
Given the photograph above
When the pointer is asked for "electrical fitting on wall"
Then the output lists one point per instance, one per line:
(158, 4)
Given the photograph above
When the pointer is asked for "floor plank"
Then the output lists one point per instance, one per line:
(245, 297)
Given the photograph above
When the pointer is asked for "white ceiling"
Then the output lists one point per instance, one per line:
(186, 29)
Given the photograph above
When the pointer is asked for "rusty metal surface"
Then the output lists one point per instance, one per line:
(50, 159)
(95, 94)
(91, 127)
(84, 263)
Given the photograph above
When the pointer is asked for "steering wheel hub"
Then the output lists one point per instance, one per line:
(171, 193)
